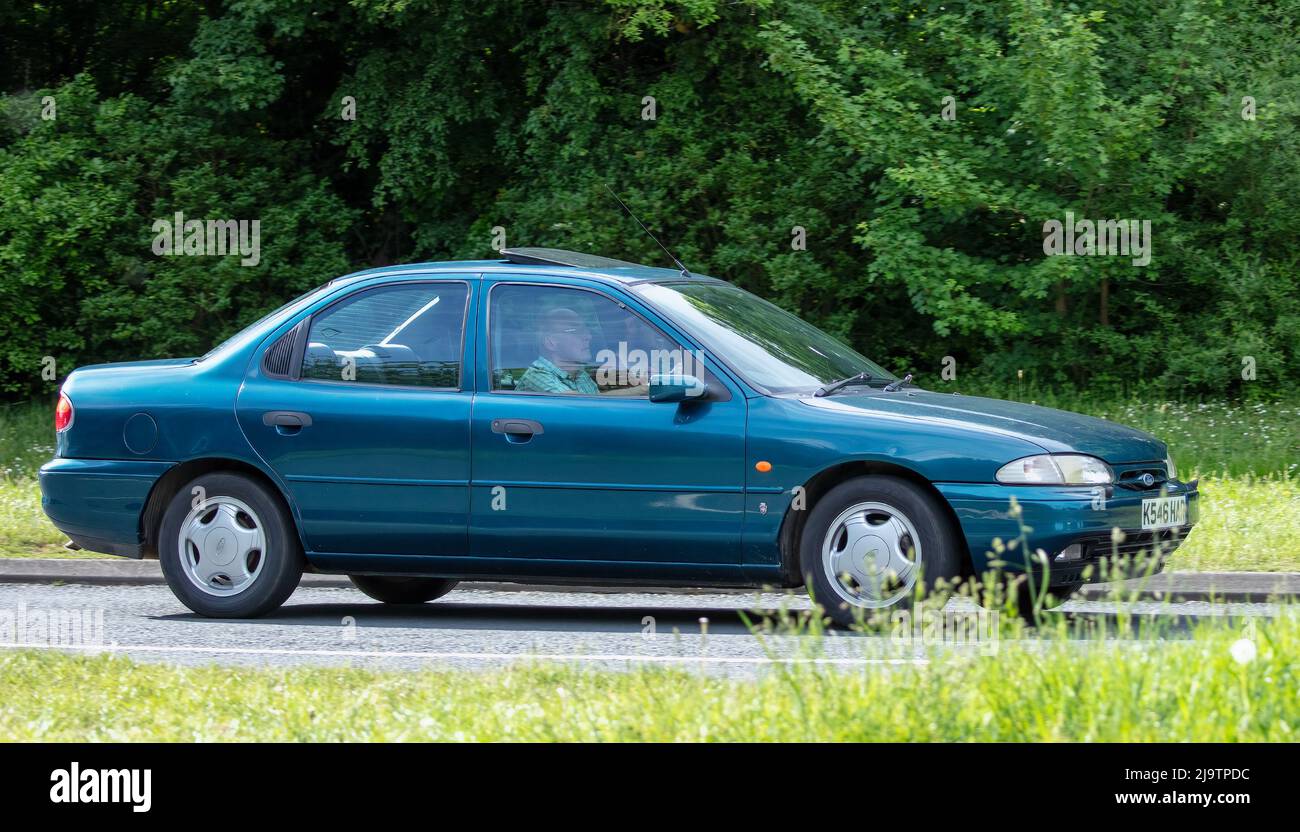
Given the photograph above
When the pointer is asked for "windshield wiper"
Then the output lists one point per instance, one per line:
(827, 389)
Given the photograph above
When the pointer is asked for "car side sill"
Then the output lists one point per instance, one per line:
(542, 570)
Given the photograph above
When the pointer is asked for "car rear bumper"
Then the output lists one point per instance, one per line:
(1055, 518)
(98, 503)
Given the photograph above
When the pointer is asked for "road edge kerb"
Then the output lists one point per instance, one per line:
(1251, 587)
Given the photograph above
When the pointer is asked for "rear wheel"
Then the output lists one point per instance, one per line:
(395, 590)
(228, 548)
(870, 540)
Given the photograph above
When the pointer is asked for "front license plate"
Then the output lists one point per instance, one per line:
(1164, 512)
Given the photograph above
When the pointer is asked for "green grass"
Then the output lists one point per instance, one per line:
(26, 438)
(1056, 690)
(1248, 524)
(24, 529)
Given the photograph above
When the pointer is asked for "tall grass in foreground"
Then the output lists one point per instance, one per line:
(1225, 683)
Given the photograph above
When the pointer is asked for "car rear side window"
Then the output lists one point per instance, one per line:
(410, 334)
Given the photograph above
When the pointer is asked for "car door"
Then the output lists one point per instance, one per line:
(573, 462)
(367, 422)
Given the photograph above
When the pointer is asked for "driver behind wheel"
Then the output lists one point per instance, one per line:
(565, 347)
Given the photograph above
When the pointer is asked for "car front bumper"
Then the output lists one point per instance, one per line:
(1053, 518)
(98, 503)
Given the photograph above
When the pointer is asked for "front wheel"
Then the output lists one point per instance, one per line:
(395, 590)
(228, 548)
(870, 540)
(1031, 602)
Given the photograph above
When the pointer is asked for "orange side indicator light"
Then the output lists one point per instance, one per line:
(762, 466)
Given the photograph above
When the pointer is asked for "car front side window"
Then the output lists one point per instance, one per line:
(565, 341)
(408, 334)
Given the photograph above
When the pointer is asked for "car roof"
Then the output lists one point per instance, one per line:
(537, 264)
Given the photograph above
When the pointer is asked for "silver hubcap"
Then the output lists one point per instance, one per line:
(872, 555)
(222, 546)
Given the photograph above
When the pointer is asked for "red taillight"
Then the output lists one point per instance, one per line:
(62, 414)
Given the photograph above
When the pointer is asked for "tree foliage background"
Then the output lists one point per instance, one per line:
(924, 235)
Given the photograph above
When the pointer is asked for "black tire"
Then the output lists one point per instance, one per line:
(1064, 593)
(1025, 599)
(941, 549)
(281, 561)
(397, 590)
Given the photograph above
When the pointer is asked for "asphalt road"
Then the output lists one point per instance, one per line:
(480, 629)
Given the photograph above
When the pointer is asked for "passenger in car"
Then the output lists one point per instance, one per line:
(565, 345)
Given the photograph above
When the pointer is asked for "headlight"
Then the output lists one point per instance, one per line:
(1171, 470)
(1059, 469)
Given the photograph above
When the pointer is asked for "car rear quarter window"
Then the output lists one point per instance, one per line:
(410, 334)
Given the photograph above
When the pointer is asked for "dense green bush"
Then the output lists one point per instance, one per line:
(924, 233)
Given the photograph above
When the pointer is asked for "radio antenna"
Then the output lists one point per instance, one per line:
(685, 271)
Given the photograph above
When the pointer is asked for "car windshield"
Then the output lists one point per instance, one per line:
(767, 345)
